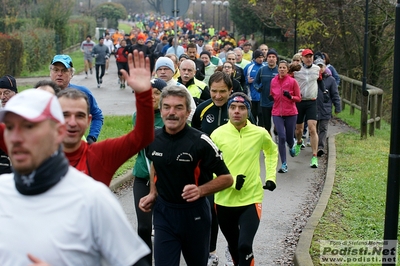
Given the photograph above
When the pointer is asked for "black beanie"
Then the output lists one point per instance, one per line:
(158, 84)
(8, 82)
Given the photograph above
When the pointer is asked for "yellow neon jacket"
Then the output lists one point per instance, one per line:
(241, 152)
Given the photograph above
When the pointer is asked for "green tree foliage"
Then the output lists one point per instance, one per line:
(110, 11)
(54, 14)
(156, 4)
(335, 27)
(245, 16)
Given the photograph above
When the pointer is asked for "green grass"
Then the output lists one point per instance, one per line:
(356, 208)
(125, 27)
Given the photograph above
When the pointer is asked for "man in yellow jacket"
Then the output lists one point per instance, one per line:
(239, 206)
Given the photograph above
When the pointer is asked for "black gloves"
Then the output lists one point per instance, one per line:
(239, 181)
(287, 94)
(270, 185)
(90, 139)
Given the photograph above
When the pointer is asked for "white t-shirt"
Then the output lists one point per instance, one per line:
(77, 222)
(109, 44)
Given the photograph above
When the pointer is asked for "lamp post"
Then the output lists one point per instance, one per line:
(203, 3)
(226, 5)
(194, 15)
(295, 28)
(214, 3)
(218, 3)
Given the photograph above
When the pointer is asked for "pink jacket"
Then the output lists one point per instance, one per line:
(284, 106)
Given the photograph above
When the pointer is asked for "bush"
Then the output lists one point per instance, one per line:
(10, 55)
(38, 47)
(33, 46)
(77, 29)
(9, 25)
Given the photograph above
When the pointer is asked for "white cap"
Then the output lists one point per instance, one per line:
(35, 106)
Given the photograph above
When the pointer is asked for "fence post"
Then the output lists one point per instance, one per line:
(379, 110)
(372, 114)
(364, 116)
(353, 98)
(343, 88)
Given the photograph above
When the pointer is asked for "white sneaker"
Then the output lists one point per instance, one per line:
(212, 260)
(308, 142)
(228, 257)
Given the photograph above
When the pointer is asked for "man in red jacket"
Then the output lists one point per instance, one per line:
(100, 160)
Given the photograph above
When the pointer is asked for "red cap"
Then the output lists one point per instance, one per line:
(307, 52)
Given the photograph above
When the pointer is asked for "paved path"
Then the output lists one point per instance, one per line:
(284, 210)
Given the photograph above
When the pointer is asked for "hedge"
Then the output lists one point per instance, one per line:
(31, 47)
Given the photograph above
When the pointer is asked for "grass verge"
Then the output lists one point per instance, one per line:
(125, 27)
(356, 208)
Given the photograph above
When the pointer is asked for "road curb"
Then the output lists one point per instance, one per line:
(120, 180)
(302, 255)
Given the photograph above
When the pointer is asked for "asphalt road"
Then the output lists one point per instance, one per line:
(285, 210)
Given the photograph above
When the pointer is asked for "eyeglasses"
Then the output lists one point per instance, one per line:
(6, 93)
(227, 67)
(60, 70)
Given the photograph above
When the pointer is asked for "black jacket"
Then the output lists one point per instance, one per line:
(200, 69)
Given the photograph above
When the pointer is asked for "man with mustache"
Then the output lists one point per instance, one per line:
(183, 161)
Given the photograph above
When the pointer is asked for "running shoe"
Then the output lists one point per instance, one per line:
(212, 260)
(101, 81)
(283, 169)
(228, 257)
(98, 85)
(292, 151)
(297, 148)
(320, 152)
(314, 162)
(91, 72)
(302, 145)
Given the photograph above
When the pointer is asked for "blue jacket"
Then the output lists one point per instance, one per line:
(95, 111)
(262, 83)
(251, 70)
